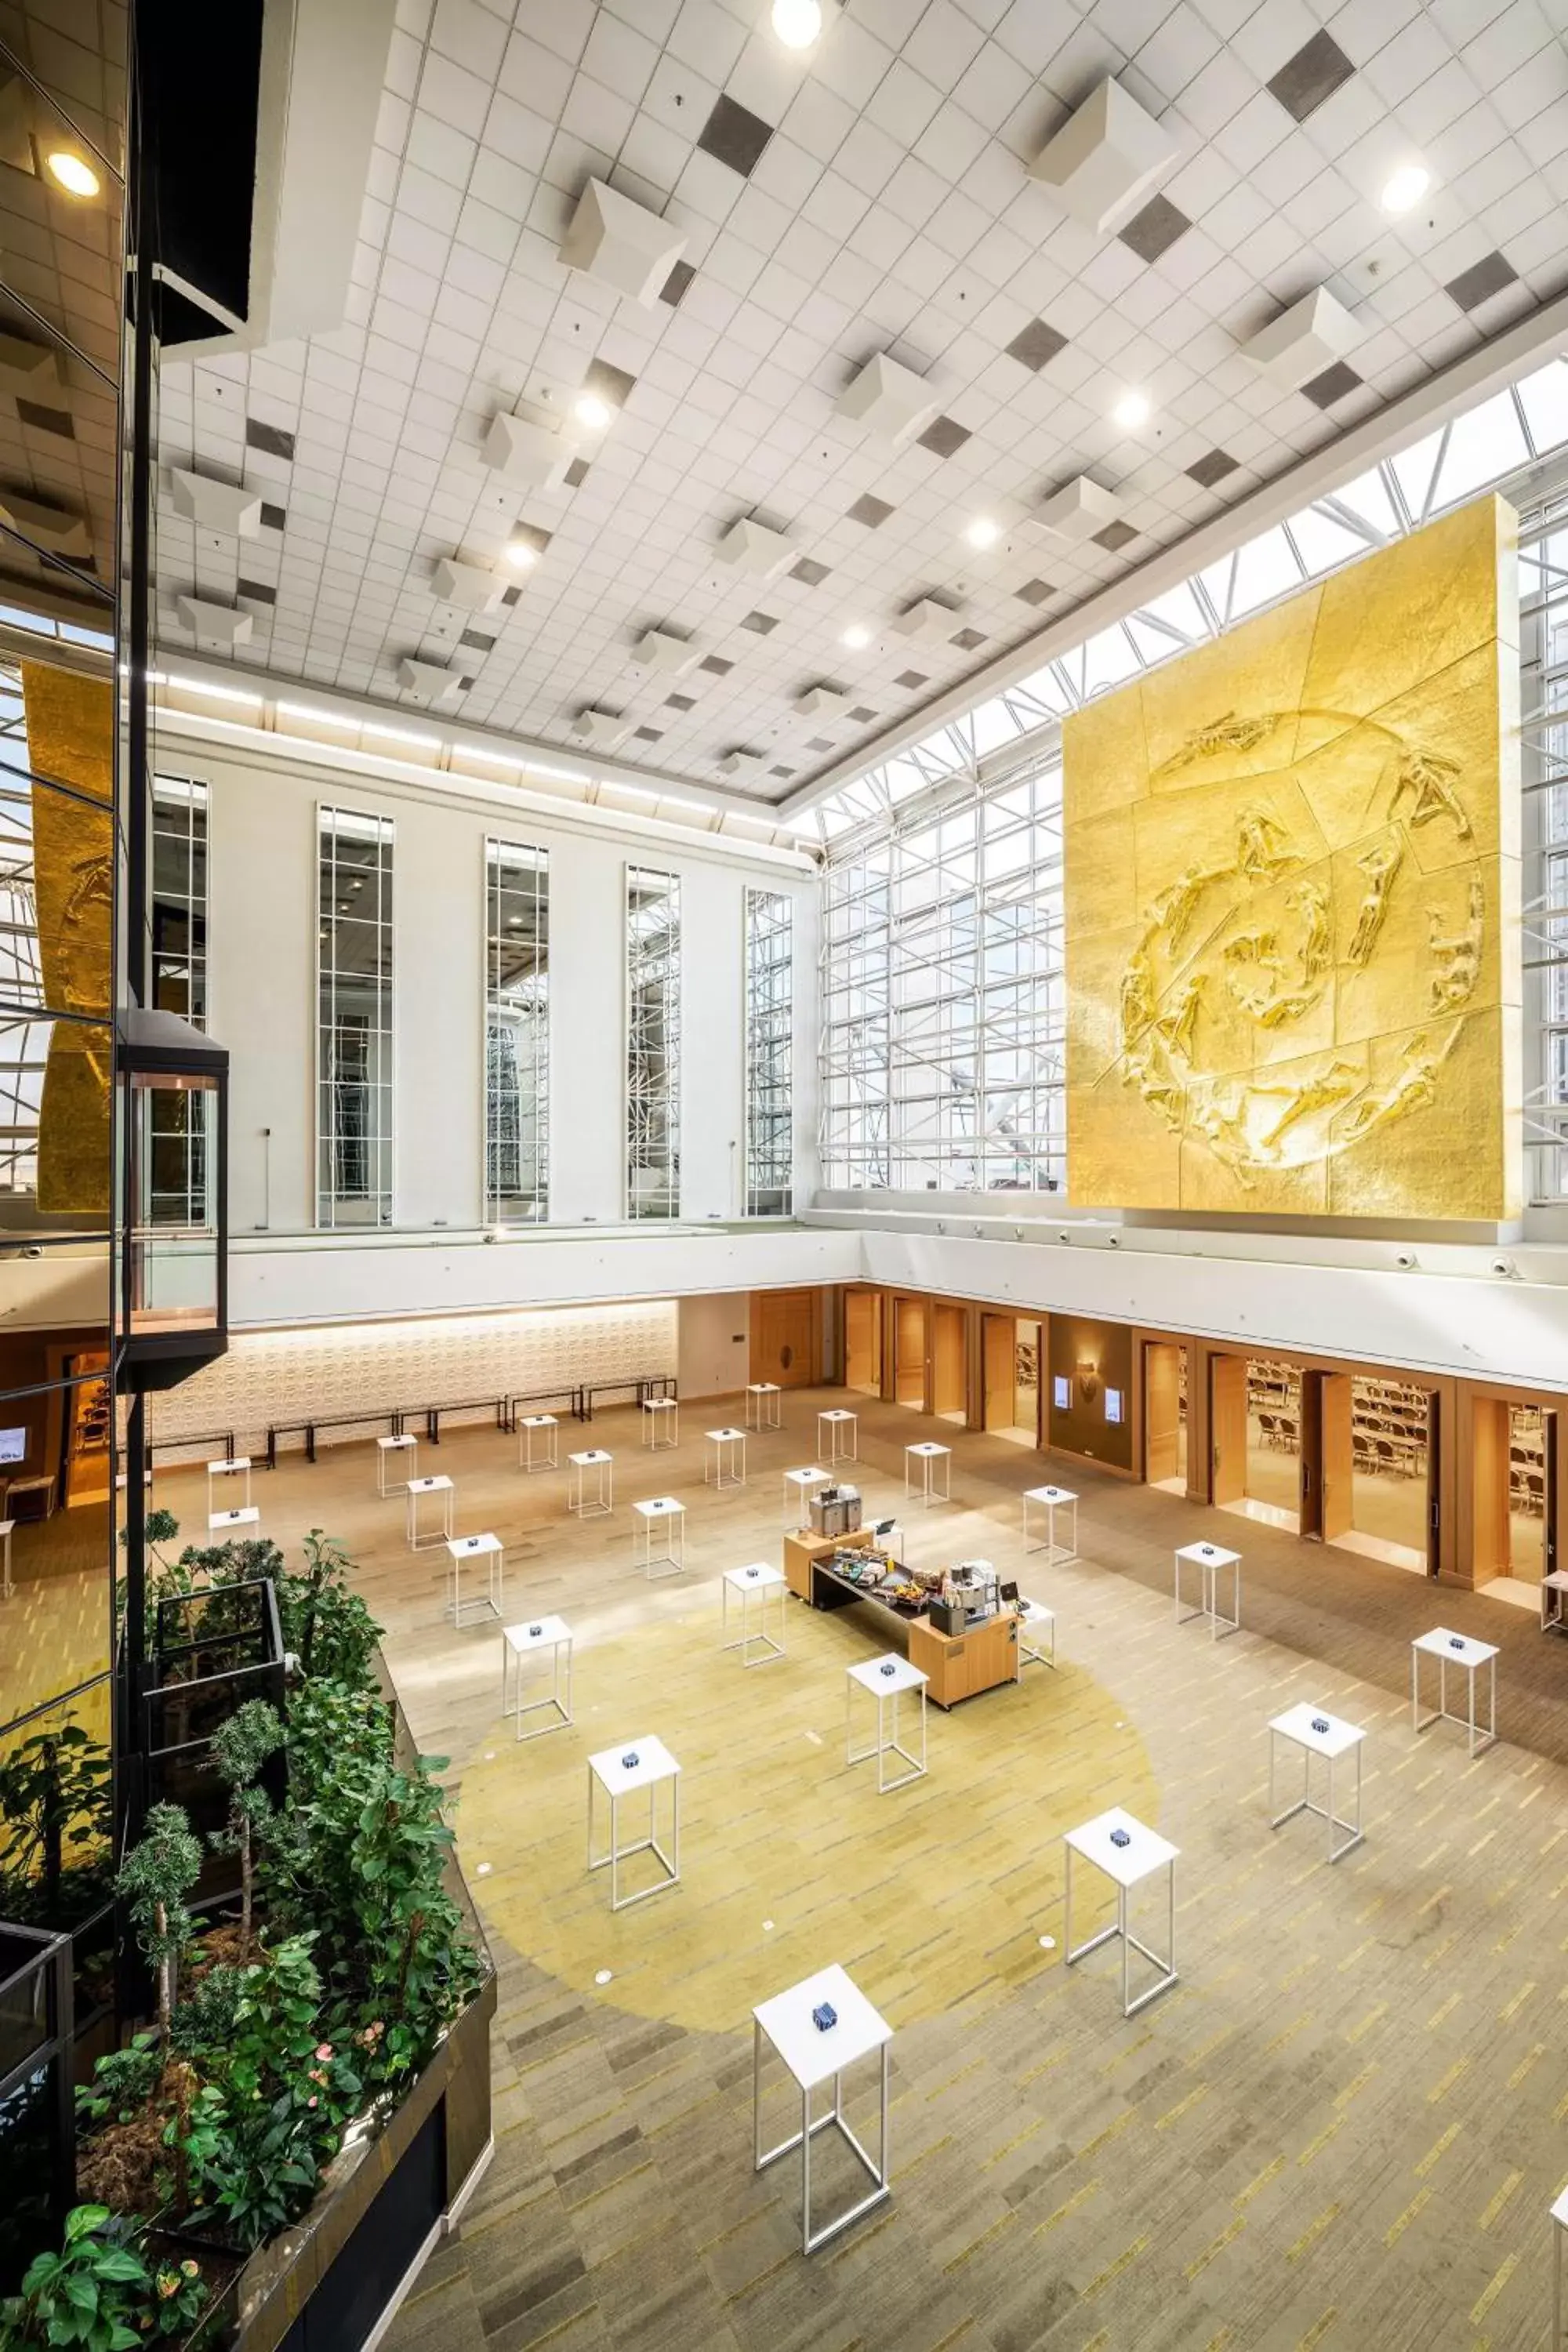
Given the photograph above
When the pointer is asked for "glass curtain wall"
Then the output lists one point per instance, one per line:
(944, 1007)
(653, 1043)
(177, 1166)
(517, 1033)
(1543, 643)
(354, 1034)
(770, 1044)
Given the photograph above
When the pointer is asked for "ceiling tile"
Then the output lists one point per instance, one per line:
(1313, 74)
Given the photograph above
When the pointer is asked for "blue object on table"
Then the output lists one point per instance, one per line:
(825, 2017)
(1120, 1837)
(535, 1631)
(630, 1761)
(1456, 1640)
(887, 1666)
(1320, 1723)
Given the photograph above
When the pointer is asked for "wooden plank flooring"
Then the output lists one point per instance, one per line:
(1342, 2129)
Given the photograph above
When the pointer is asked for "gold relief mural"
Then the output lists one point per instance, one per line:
(1292, 903)
(70, 738)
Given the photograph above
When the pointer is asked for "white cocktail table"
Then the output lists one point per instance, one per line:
(885, 1680)
(666, 1516)
(462, 1551)
(797, 1486)
(603, 1500)
(1210, 1560)
(1126, 1864)
(416, 1490)
(229, 1522)
(1052, 1499)
(538, 1431)
(726, 1465)
(928, 1455)
(520, 1646)
(752, 1584)
(1035, 1621)
(625, 1771)
(234, 1466)
(814, 2055)
(843, 1429)
(1453, 1650)
(765, 1405)
(661, 1422)
(407, 1452)
(1317, 1733)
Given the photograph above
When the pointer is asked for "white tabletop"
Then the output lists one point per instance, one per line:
(870, 1675)
(661, 1508)
(658, 1404)
(836, 1413)
(541, 1635)
(754, 1579)
(432, 1486)
(761, 1388)
(723, 1436)
(1557, 1581)
(538, 1420)
(235, 1462)
(1207, 1555)
(386, 1444)
(1126, 1864)
(1023, 1607)
(249, 1516)
(1459, 1647)
(654, 1762)
(1300, 1724)
(810, 2054)
(6, 1525)
(810, 1477)
(1049, 1495)
(472, 1547)
(598, 1454)
(927, 1448)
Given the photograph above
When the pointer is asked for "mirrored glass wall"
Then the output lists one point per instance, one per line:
(517, 1033)
(653, 1043)
(355, 1043)
(770, 1024)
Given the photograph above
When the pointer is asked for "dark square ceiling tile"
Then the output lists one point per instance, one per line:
(819, 742)
(717, 665)
(650, 734)
(734, 136)
(532, 536)
(676, 284)
(872, 511)
(943, 435)
(967, 639)
(1034, 591)
(861, 715)
(270, 437)
(1036, 345)
(1154, 230)
(476, 639)
(1313, 74)
(808, 571)
(512, 596)
(613, 385)
(1115, 536)
(1210, 469)
(780, 772)
(258, 592)
(911, 678)
(272, 517)
(1470, 289)
(576, 474)
(681, 701)
(761, 623)
(1333, 384)
(46, 420)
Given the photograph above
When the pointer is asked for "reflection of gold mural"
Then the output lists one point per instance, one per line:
(1292, 903)
(70, 738)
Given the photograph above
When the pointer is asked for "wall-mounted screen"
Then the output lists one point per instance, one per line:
(13, 1445)
(1113, 1404)
(1061, 1394)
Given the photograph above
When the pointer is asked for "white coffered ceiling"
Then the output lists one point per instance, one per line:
(887, 208)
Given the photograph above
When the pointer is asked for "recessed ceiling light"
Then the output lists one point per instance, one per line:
(983, 531)
(591, 411)
(798, 23)
(75, 177)
(1404, 190)
(857, 636)
(1133, 410)
(521, 555)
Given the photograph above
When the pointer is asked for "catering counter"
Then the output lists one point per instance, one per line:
(956, 1665)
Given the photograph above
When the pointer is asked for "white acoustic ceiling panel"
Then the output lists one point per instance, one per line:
(221, 506)
(924, 619)
(660, 649)
(473, 586)
(56, 528)
(429, 682)
(1078, 509)
(620, 243)
(755, 549)
(217, 628)
(28, 368)
(821, 701)
(888, 400)
(1107, 158)
(1302, 340)
(533, 449)
(601, 729)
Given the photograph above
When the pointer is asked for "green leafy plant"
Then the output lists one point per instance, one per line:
(204, 2021)
(86, 2294)
(122, 2082)
(55, 1805)
(328, 1626)
(158, 1874)
(240, 1750)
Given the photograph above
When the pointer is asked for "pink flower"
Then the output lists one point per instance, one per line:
(310, 2101)
(323, 2050)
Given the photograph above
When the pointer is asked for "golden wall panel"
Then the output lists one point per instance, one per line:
(70, 738)
(1292, 903)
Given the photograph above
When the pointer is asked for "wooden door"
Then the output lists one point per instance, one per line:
(863, 1341)
(784, 1335)
(1337, 1450)
(1490, 1546)
(1310, 1462)
(1434, 1484)
(1549, 1454)
(1227, 1428)
(999, 1368)
(1162, 1411)
(909, 1352)
(948, 1360)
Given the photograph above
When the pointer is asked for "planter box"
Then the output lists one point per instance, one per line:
(332, 2282)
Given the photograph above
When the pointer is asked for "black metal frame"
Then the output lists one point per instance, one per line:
(45, 1956)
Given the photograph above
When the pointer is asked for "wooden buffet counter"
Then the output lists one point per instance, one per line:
(956, 1665)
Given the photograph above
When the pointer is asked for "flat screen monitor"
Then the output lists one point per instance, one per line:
(1113, 1404)
(13, 1445)
(1061, 1393)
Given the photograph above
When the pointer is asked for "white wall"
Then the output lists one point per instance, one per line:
(262, 964)
(715, 1344)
